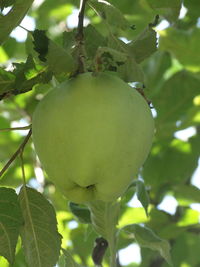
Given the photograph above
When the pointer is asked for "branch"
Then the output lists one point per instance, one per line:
(80, 38)
(16, 128)
(18, 151)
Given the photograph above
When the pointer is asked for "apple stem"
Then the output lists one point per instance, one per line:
(80, 38)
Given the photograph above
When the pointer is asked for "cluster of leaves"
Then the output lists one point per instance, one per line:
(172, 82)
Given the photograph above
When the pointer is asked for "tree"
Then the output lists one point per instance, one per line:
(163, 65)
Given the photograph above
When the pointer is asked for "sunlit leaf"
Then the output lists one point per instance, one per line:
(147, 238)
(142, 194)
(69, 261)
(187, 194)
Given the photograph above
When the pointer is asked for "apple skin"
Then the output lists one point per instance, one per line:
(92, 134)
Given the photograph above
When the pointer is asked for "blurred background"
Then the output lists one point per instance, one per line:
(172, 170)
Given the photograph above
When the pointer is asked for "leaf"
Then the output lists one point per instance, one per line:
(13, 18)
(113, 60)
(174, 101)
(112, 15)
(181, 158)
(144, 45)
(142, 194)
(40, 238)
(6, 3)
(57, 59)
(69, 261)
(170, 9)
(130, 71)
(192, 10)
(93, 40)
(10, 223)
(6, 81)
(187, 194)
(23, 78)
(127, 69)
(147, 238)
(82, 213)
(82, 239)
(23, 71)
(109, 59)
(41, 44)
(104, 217)
(69, 39)
(177, 41)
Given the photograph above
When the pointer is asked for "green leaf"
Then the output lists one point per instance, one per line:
(177, 41)
(170, 9)
(113, 60)
(144, 45)
(93, 40)
(181, 158)
(82, 213)
(130, 71)
(57, 59)
(13, 18)
(41, 43)
(192, 11)
(142, 194)
(147, 238)
(24, 71)
(6, 81)
(23, 78)
(186, 249)
(112, 15)
(104, 217)
(10, 223)
(187, 194)
(174, 101)
(6, 3)
(40, 238)
(82, 239)
(69, 39)
(69, 261)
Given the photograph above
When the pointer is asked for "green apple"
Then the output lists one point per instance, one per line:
(92, 134)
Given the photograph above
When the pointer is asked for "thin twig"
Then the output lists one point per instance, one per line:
(22, 27)
(22, 166)
(18, 151)
(80, 38)
(81, 18)
(16, 128)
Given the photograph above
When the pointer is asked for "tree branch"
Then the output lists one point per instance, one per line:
(80, 38)
(18, 151)
(16, 128)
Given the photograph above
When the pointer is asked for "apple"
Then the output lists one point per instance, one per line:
(92, 134)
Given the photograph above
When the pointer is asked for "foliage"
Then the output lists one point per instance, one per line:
(122, 38)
